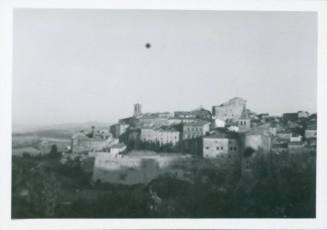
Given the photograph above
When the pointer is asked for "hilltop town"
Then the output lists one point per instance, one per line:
(230, 142)
(229, 135)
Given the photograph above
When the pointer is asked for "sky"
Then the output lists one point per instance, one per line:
(93, 65)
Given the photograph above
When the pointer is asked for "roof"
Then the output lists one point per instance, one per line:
(167, 128)
(222, 133)
(197, 123)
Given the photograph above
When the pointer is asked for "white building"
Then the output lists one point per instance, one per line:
(195, 129)
(311, 132)
(220, 145)
(163, 135)
(117, 149)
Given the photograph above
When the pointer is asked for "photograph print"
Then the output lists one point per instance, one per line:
(164, 114)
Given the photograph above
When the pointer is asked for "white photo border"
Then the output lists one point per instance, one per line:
(6, 56)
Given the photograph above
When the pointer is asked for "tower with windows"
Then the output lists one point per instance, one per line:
(244, 122)
(137, 109)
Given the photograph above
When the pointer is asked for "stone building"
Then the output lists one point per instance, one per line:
(258, 139)
(230, 110)
(163, 135)
(118, 129)
(92, 142)
(195, 129)
(221, 144)
(154, 120)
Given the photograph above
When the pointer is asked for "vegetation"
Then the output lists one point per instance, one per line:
(283, 186)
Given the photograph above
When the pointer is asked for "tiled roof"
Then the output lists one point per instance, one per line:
(222, 133)
(197, 123)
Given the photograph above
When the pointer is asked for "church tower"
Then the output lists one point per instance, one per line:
(137, 109)
(244, 122)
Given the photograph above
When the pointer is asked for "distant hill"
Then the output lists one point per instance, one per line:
(72, 127)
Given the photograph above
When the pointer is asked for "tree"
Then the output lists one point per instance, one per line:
(54, 152)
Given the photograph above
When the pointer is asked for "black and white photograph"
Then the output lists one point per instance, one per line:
(164, 114)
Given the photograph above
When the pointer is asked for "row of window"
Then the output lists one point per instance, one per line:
(232, 148)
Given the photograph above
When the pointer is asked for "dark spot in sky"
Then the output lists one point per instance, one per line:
(148, 45)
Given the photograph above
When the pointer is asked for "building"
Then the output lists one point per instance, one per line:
(82, 142)
(295, 147)
(221, 144)
(296, 138)
(230, 110)
(218, 123)
(303, 114)
(311, 131)
(163, 135)
(290, 117)
(244, 122)
(184, 115)
(195, 129)
(118, 129)
(137, 109)
(154, 120)
(284, 135)
(202, 114)
(258, 139)
(117, 149)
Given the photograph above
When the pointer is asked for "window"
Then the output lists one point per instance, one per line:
(207, 147)
(217, 148)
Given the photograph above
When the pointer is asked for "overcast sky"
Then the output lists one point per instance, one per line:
(92, 65)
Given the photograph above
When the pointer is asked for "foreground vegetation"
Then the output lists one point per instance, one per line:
(282, 186)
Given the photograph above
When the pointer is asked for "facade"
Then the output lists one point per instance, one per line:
(117, 149)
(220, 145)
(162, 135)
(118, 129)
(230, 110)
(195, 129)
(258, 139)
(311, 132)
